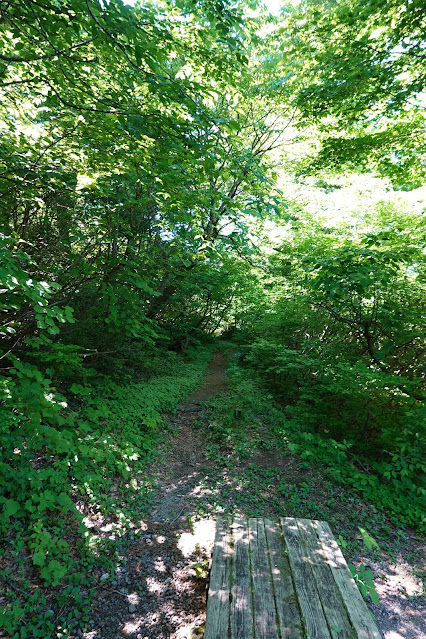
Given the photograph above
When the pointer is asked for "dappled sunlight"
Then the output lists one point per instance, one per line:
(133, 598)
(131, 627)
(202, 536)
(159, 564)
(155, 586)
(200, 491)
(154, 590)
(183, 632)
(399, 580)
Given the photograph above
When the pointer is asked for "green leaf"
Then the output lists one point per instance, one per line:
(53, 572)
(368, 540)
(39, 558)
(10, 508)
(69, 314)
(65, 501)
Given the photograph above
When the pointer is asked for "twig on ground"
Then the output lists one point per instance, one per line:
(113, 590)
(177, 516)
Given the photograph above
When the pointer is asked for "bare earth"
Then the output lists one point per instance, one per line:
(156, 594)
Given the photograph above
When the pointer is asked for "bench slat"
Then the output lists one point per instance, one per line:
(352, 598)
(310, 604)
(285, 597)
(218, 600)
(265, 624)
(241, 604)
(331, 600)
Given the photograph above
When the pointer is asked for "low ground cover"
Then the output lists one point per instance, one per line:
(74, 483)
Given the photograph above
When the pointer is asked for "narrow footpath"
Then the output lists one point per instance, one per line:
(156, 594)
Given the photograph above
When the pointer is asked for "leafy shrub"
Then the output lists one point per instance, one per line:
(339, 398)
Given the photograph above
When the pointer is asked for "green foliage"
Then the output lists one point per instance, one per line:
(368, 540)
(122, 164)
(91, 449)
(364, 580)
(138, 198)
(363, 576)
(21, 292)
(356, 69)
(339, 342)
(300, 432)
(200, 568)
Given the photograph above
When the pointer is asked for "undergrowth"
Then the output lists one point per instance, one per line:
(249, 415)
(73, 482)
(261, 464)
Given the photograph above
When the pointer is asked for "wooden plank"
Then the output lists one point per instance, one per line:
(364, 626)
(285, 598)
(309, 601)
(217, 620)
(334, 610)
(265, 621)
(241, 625)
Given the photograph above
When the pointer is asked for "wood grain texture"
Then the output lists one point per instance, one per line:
(218, 607)
(285, 598)
(282, 580)
(364, 626)
(307, 593)
(339, 624)
(265, 618)
(241, 623)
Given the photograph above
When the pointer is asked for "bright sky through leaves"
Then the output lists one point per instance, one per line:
(273, 5)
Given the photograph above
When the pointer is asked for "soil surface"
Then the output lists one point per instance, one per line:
(159, 590)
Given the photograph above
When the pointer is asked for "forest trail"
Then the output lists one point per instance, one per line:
(168, 187)
(179, 477)
(155, 592)
(155, 595)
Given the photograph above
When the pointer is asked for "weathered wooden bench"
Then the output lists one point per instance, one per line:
(282, 579)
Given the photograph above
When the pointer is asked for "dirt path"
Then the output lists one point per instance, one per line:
(180, 477)
(155, 593)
